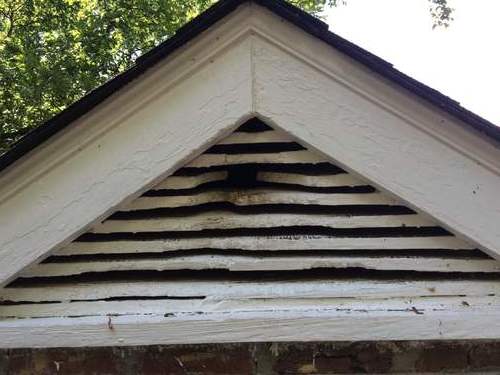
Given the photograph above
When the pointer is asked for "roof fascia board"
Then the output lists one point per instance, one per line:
(398, 153)
(283, 326)
(125, 146)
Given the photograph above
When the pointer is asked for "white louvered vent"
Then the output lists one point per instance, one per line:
(257, 222)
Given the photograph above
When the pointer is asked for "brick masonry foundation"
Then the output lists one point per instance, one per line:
(260, 358)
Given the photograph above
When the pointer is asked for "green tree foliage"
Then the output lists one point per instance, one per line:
(54, 51)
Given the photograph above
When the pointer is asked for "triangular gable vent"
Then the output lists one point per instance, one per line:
(257, 219)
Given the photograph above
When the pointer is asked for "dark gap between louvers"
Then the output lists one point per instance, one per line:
(415, 254)
(254, 148)
(368, 232)
(224, 275)
(228, 186)
(107, 299)
(306, 169)
(254, 125)
(228, 207)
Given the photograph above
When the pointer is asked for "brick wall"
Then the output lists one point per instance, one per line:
(277, 358)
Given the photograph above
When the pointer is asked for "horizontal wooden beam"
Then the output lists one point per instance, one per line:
(274, 263)
(267, 244)
(250, 327)
(223, 289)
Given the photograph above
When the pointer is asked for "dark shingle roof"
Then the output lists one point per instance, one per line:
(285, 10)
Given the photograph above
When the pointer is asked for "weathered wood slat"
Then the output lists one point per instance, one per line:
(223, 220)
(207, 160)
(96, 308)
(299, 242)
(321, 288)
(246, 197)
(171, 307)
(190, 182)
(341, 179)
(251, 263)
(263, 137)
(261, 326)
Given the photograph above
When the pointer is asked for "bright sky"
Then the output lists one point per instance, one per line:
(463, 61)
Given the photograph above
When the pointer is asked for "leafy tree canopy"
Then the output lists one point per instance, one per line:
(54, 51)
